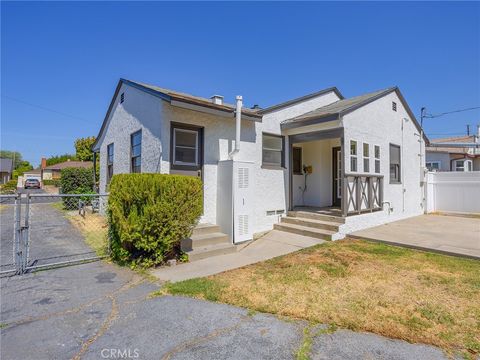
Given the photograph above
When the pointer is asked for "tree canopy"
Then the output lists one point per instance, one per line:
(83, 148)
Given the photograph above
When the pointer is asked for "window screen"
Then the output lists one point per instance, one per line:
(395, 167)
(136, 151)
(272, 150)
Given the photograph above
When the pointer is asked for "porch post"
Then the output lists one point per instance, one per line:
(344, 203)
(290, 173)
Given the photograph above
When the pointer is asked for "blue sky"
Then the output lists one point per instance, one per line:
(67, 57)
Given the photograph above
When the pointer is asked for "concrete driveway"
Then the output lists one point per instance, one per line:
(101, 311)
(453, 235)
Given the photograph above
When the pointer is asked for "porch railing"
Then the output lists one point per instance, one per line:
(362, 193)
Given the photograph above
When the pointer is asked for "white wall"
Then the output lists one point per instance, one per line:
(442, 157)
(138, 111)
(377, 124)
(318, 154)
(453, 192)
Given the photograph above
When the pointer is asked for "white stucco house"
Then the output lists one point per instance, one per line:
(319, 165)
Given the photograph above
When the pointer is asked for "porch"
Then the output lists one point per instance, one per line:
(325, 178)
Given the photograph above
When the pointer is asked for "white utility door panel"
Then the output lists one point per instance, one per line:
(243, 201)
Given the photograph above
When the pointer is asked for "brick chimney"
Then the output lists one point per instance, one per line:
(43, 163)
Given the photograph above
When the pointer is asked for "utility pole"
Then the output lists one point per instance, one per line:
(468, 130)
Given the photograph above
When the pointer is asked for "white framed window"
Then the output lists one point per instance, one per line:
(185, 147)
(136, 152)
(273, 150)
(463, 165)
(376, 151)
(353, 155)
(433, 165)
(366, 157)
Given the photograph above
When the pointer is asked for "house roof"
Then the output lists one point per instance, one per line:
(300, 99)
(70, 164)
(6, 165)
(453, 139)
(33, 172)
(175, 96)
(342, 107)
(339, 107)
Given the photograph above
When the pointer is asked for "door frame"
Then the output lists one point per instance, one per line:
(336, 153)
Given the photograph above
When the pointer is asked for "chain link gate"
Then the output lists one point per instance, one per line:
(41, 231)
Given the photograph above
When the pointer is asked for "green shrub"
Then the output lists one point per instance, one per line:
(76, 181)
(149, 214)
(9, 187)
(54, 182)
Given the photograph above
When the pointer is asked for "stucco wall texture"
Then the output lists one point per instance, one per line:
(375, 123)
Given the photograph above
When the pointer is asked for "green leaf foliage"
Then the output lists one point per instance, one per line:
(83, 148)
(57, 159)
(76, 181)
(149, 214)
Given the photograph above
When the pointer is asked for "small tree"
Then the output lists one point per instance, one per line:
(83, 148)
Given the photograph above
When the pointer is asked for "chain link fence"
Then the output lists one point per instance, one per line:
(42, 230)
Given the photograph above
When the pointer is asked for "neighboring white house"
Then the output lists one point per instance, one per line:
(357, 162)
(450, 158)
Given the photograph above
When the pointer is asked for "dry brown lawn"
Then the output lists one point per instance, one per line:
(94, 228)
(399, 293)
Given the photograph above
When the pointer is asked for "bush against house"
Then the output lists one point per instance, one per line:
(149, 214)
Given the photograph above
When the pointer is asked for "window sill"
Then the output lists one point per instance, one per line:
(297, 173)
(273, 167)
(395, 182)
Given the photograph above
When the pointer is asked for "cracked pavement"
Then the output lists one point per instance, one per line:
(100, 311)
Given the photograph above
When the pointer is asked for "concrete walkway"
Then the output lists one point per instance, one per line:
(273, 244)
(453, 235)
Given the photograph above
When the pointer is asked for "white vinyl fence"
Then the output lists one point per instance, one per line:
(453, 192)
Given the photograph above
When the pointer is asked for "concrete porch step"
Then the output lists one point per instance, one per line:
(209, 239)
(316, 216)
(313, 223)
(202, 229)
(211, 250)
(305, 230)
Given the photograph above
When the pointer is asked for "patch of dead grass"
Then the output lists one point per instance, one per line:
(94, 228)
(395, 292)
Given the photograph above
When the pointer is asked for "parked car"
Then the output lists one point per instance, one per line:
(32, 184)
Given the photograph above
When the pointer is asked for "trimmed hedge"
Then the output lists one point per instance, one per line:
(149, 214)
(54, 182)
(9, 187)
(76, 181)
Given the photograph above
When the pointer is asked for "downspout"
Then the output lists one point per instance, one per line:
(238, 126)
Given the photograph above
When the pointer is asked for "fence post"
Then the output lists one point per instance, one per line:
(26, 234)
(17, 234)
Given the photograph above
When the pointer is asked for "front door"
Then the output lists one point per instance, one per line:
(337, 176)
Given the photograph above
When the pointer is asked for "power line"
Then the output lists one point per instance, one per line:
(45, 108)
(430, 116)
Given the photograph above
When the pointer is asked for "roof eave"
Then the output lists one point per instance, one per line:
(302, 98)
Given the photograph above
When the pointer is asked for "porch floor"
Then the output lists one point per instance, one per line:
(328, 210)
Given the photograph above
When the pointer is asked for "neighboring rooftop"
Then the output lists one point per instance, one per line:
(453, 139)
(6, 165)
(70, 164)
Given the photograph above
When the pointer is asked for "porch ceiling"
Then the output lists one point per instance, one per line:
(316, 135)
